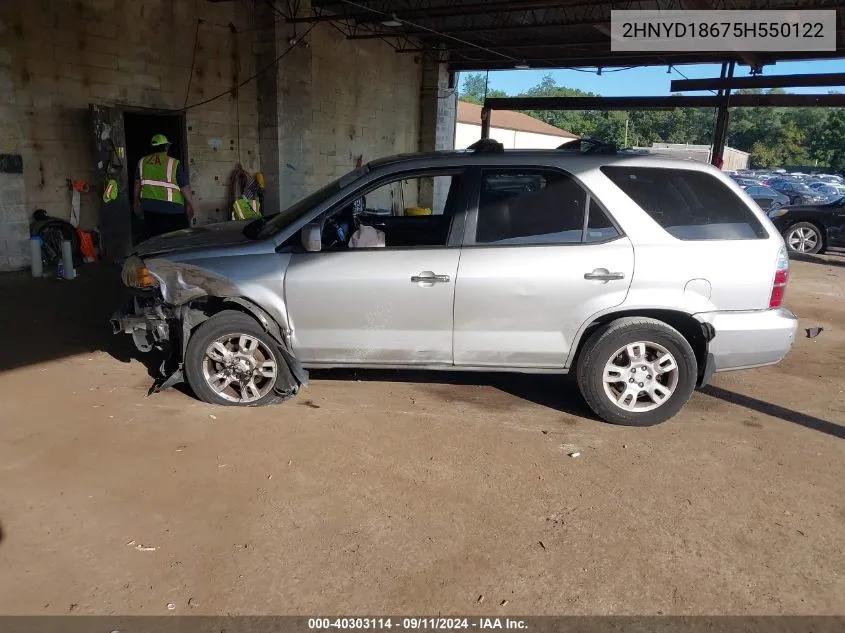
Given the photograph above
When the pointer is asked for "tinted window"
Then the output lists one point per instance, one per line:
(690, 205)
(599, 226)
(530, 207)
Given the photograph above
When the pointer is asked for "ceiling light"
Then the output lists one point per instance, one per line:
(393, 21)
(523, 65)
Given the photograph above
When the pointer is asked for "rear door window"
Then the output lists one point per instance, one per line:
(688, 204)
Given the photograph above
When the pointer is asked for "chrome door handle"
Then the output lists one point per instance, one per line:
(602, 274)
(429, 277)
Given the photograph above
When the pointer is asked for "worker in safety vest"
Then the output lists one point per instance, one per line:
(162, 191)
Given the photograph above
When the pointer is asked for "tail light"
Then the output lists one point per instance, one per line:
(781, 278)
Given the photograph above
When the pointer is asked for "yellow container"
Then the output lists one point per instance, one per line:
(417, 211)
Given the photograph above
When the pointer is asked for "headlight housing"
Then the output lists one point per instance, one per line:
(136, 275)
(776, 213)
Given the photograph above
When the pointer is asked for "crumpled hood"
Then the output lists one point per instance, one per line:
(196, 238)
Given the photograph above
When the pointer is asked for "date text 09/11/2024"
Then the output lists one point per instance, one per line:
(415, 624)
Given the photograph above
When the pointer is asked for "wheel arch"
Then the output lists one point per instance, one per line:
(196, 312)
(697, 334)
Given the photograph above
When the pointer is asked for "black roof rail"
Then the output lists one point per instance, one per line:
(487, 146)
(589, 146)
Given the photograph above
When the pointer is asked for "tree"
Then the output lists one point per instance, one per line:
(475, 89)
(775, 137)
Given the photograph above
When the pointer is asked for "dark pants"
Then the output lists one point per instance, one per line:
(158, 223)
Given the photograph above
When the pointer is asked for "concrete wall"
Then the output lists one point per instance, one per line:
(58, 56)
(329, 103)
(338, 102)
(467, 133)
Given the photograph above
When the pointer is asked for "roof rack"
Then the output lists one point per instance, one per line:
(589, 146)
(487, 146)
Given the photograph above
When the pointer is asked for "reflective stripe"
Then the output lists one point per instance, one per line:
(160, 183)
(170, 179)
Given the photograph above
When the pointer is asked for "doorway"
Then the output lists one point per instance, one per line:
(140, 127)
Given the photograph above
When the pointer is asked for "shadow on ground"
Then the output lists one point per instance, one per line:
(767, 408)
(831, 258)
(553, 391)
(47, 319)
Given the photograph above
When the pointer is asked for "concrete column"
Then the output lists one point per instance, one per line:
(438, 113)
(266, 50)
(285, 105)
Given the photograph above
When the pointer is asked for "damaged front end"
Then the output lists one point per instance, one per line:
(169, 300)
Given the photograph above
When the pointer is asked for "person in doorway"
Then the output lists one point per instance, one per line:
(162, 191)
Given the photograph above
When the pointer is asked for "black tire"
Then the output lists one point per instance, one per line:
(601, 348)
(226, 323)
(804, 226)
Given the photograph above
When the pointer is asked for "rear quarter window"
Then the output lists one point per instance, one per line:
(688, 204)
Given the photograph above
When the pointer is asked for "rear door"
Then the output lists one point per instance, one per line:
(540, 257)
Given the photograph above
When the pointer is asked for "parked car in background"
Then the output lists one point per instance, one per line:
(809, 229)
(798, 193)
(523, 262)
(831, 178)
(766, 197)
(829, 190)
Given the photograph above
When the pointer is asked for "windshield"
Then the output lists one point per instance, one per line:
(294, 212)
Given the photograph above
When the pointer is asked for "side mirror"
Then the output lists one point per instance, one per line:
(312, 237)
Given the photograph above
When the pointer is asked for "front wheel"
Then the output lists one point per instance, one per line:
(803, 238)
(231, 360)
(637, 371)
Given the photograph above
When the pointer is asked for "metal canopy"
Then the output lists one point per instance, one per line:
(503, 34)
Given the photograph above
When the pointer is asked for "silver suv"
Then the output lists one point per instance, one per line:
(640, 275)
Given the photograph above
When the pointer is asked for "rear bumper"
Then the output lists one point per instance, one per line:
(750, 339)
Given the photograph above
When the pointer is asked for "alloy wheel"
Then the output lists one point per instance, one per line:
(640, 376)
(802, 239)
(239, 368)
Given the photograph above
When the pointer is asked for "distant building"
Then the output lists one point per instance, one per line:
(734, 158)
(514, 130)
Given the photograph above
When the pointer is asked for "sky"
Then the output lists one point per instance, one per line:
(651, 81)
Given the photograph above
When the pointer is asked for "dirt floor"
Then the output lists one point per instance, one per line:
(396, 493)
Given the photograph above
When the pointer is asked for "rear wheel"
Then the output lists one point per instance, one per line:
(637, 372)
(231, 360)
(803, 238)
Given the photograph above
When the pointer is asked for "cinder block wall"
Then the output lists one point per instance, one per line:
(338, 101)
(59, 56)
(324, 106)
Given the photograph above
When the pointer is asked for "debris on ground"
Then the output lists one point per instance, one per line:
(575, 454)
(192, 602)
(212, 416)
(145, 548)
(181, 448)
(503, 603)
(813, 332)
(541, 544)
(480, 599)
(170, 606)
(545, 432)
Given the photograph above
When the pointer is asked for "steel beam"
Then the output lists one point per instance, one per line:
(722, 117)
(665, 103)
(760, 81)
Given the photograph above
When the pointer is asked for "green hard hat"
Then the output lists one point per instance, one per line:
(159, 139)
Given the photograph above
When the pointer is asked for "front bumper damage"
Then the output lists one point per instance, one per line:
(155, 325)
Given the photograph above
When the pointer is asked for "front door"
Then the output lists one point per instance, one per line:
(545, 257)
(390, 305)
